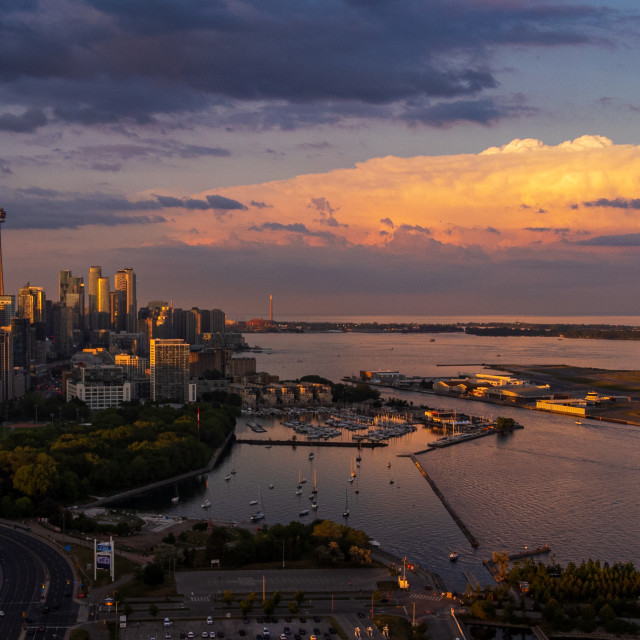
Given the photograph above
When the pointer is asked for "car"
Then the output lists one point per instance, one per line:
(316, 618)
(265, 631)
(167, 622)
(212, 634)
(205, 634)
(45, 609)
(283, 636)
(327, 635)
(1, 613)
(360, 614)
(316, 631)
(312, 637)
(303, 619)
(245, 620)
(287, 619)
(297, 636)
(191, 634)
(332, 631)
(287, 631)
(167, 636)
(242, 632)
(302, 631)
(209, 620)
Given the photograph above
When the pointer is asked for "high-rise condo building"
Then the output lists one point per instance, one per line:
(6, 365)
(7, 309)
(95, 273)
(32, 303)
(101, 316)
(125, 281)
(169, 361)
(72, 296)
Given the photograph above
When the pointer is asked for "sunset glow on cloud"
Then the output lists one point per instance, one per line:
(448, 157)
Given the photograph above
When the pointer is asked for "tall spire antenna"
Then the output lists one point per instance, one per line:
(3, 217)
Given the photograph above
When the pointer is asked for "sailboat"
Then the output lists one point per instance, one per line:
(346, 512)
(315, 483)
(259, 514)
(353, 470)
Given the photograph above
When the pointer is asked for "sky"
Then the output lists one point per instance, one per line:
(349, 157)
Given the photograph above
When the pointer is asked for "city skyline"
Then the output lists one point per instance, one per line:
(451, 158)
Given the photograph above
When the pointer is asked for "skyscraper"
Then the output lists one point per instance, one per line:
(169, 361)
(6, 365)
(102, 304)
(72, 296)
(32, 303)
(125, 281)
(3, 217)
(95, 273)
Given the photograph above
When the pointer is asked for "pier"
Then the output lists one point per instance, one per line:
(462, 526)
(527, 553)
(311, 443)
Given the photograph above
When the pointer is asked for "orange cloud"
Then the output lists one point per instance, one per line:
(523, 194)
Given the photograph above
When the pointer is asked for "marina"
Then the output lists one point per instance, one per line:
(553, 482)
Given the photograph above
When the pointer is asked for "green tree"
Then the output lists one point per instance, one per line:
(245, 607)
(153, 610)
(606, 613)
(153, 574)
(227, 597)
(276, 597)
(268, 606)
(298, 596)
(294, 607)
(501, 561)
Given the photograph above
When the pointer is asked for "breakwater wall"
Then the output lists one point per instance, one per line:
(215, 458)
(311, 443)
(527, 553)
(462, 526)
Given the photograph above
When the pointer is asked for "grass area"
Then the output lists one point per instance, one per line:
(83, 556)
(399, 628)
(137, 589)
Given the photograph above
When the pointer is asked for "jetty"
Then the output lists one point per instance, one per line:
(526, 553)
(309, 443)
(456, 518)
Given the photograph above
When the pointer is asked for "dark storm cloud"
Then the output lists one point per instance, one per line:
(617, 203)
(215, 202)
(297, 228)
(556, 231)
(414, 227)
(261, 205)
(622, 240)
(492, 230)
(37, 208)
(27, 122)
(387, 221)
(133, 61)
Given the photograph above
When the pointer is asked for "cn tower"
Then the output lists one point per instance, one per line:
(3, 217)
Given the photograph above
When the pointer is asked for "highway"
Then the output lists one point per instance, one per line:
(36, 588)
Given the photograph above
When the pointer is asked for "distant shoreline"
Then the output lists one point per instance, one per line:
(601, 331)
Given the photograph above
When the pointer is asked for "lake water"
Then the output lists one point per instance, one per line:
(572, 486)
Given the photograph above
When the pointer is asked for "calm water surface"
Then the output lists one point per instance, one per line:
(572, 486)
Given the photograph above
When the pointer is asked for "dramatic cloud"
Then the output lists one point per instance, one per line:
(624, 240)
(616, 203)
(432, 59)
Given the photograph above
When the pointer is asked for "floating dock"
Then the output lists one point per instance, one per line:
(463, 527)
(310, 443)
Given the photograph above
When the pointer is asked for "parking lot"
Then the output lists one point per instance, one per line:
(254, 628)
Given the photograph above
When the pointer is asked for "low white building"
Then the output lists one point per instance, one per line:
(99, 387)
